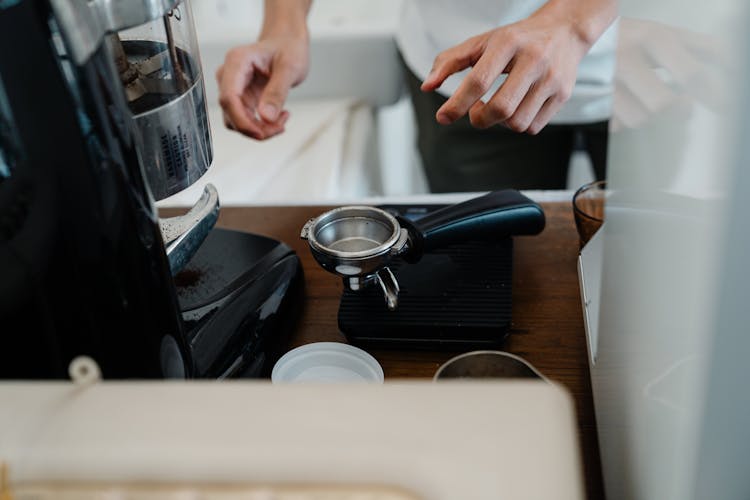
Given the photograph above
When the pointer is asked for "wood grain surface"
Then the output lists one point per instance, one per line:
(547, 327)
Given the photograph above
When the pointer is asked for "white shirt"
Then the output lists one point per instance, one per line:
(430, 26)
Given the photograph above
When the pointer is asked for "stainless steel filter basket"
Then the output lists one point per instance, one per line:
(355, 240)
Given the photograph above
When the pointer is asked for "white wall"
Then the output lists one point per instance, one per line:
(351, 133)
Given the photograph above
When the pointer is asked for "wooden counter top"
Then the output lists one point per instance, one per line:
(547, 328)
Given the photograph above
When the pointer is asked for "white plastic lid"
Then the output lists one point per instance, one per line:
(327, 362)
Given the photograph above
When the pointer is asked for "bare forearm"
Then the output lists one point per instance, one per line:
(588, 19)
(287, 17)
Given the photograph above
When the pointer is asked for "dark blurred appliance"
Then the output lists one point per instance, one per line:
(102, 110)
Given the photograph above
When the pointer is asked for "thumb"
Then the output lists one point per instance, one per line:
(274, 95)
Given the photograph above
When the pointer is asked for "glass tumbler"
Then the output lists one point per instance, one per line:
(588, 209)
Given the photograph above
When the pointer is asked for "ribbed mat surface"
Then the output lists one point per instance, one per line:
(457, 297)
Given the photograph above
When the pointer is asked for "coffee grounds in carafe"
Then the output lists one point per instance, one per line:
(148, 102)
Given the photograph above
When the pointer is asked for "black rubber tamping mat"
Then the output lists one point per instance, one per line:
(458, 297)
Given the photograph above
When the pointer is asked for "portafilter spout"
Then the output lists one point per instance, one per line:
(358, 242)
(383, 277)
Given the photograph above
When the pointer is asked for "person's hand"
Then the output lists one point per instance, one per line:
(540, 55)
(254, 82)
(660, 66)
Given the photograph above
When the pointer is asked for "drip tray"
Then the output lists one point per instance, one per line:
(458, 297)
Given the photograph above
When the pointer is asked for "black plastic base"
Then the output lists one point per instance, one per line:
(454, 298)
(240, 296)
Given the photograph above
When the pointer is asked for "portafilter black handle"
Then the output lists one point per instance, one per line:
(494, 216)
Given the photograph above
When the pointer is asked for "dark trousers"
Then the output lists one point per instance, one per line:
(459, 157)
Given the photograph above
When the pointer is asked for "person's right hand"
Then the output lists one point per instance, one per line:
(540, 56)
(254, 82)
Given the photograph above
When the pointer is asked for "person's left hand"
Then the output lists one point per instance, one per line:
(540, 55)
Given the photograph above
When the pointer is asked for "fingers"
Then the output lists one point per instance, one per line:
(250, 123)
(452, 61)
(233, 77)
(504, 105)
(281, 80)
(227, 121)
(475, 84)
(239, 118)
(243, 117)
(271, 129)
(550, 107)
(534, 90)
(262, 129)
(540, 59)
(242, 79)
(540, 103)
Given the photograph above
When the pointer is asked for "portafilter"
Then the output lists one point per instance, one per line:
(358, 242)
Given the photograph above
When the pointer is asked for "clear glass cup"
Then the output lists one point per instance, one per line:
(588, 209)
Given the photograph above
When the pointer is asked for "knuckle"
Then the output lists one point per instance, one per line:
(224, 101)
(440, 59)
(300, 70)
(501, 107)
(516, 124)
(289, 62)
(477, 120)
(555, 81)
(478, 82)
(512, 123)
(564, 94)
(558, 85)
(480, 122)
(541, 51)
(536, 53)
(451, 112)
(236, 53)
(479, 42)
(232, 55)
(511, 36)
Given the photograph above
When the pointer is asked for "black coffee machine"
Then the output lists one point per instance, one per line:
(102, 111)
